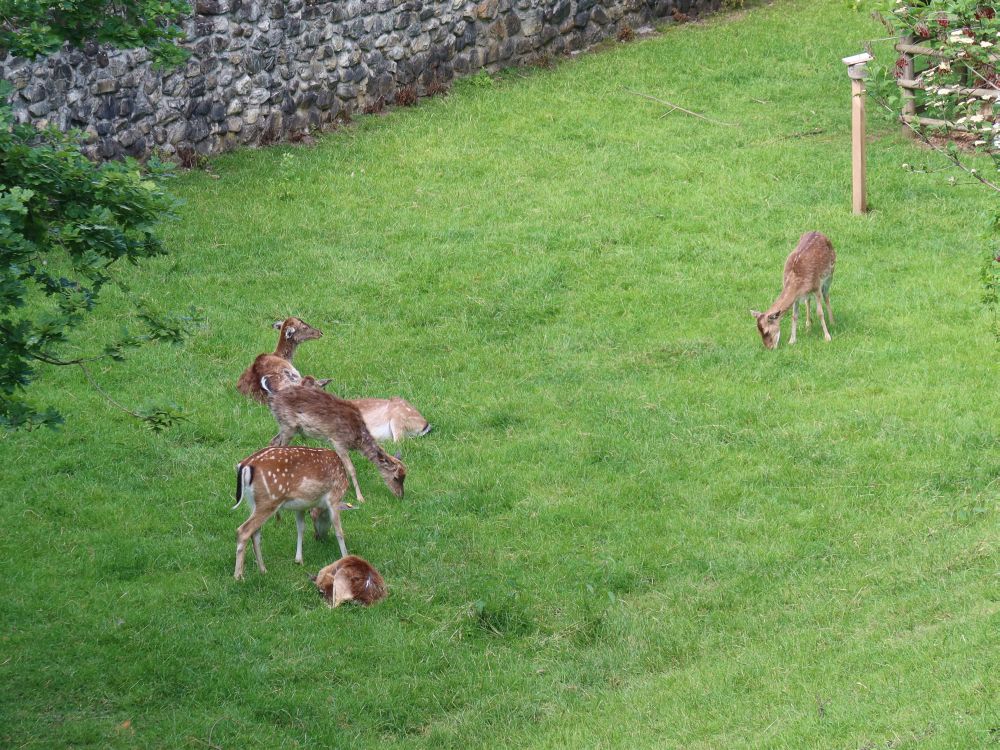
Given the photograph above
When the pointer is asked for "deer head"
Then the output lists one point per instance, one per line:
(296, 330)
(769, 326)
(393, 471)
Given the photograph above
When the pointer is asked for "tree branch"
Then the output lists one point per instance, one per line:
(96, 387)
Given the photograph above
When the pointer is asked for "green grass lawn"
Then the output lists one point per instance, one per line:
(632, 526)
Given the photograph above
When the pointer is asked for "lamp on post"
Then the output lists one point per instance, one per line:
(856, 71)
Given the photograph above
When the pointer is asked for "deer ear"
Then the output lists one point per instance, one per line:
(756, 313)
(312, 578)
(277, 325)
(774, 316)
(264, 385)
(324, 382)
(398, 455)
(289, 332)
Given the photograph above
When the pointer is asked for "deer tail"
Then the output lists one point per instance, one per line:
(244, 478)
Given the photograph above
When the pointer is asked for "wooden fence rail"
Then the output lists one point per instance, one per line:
(909, 83)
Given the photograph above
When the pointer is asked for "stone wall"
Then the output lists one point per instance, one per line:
(263, 71)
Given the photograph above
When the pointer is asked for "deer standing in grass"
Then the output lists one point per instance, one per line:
(808, 270)
(277, 364)
(350, 578)
(293, 478)
(304, 408)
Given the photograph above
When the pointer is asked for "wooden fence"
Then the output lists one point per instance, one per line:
(909, 83)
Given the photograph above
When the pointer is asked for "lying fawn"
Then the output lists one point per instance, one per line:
(292, 333)
(304, 408)
(394, 418)
(808, 270)
(351, 578)
(293, 478)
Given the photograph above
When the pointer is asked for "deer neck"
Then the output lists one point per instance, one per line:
(286, 348)
(784, 301)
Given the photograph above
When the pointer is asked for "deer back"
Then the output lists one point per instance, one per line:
(318, 414)
(809, 264)
(295, 472)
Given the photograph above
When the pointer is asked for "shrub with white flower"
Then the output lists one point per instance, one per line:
(954, 81)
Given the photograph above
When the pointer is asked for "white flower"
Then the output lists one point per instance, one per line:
(984, 43)
(976, 118)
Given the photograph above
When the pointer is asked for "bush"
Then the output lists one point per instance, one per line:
(65, 221)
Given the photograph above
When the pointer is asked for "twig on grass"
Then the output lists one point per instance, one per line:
(107, 397)
(682, 109)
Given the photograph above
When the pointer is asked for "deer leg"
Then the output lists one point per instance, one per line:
(257, 553)
(300, 528)
(822, 318)
(795, 320)
(250, 529)
(337, 528)
(345, 458)
(321, 520)
(826, 296)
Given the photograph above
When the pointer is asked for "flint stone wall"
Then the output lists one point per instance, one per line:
(262, 72)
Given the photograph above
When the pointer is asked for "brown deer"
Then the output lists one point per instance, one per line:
(294, 478)
(351, 578)
(278, 363)
(808, 270)
(304, 408)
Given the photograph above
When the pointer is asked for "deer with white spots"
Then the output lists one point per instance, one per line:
(289, 478)
(808, 270)
(277, 365)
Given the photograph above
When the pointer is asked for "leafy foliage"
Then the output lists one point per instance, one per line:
(954, 84)
(29, 28)
(963, 36)
(65, 221)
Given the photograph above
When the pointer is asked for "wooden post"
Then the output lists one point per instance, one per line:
(907, 72)
(856, 72)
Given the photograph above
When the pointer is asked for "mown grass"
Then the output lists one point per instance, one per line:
(632, 526)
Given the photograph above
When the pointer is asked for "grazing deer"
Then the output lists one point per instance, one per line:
(351, 578)
(304, 408)
(278, 363)
(808, 270)
(294, 478)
